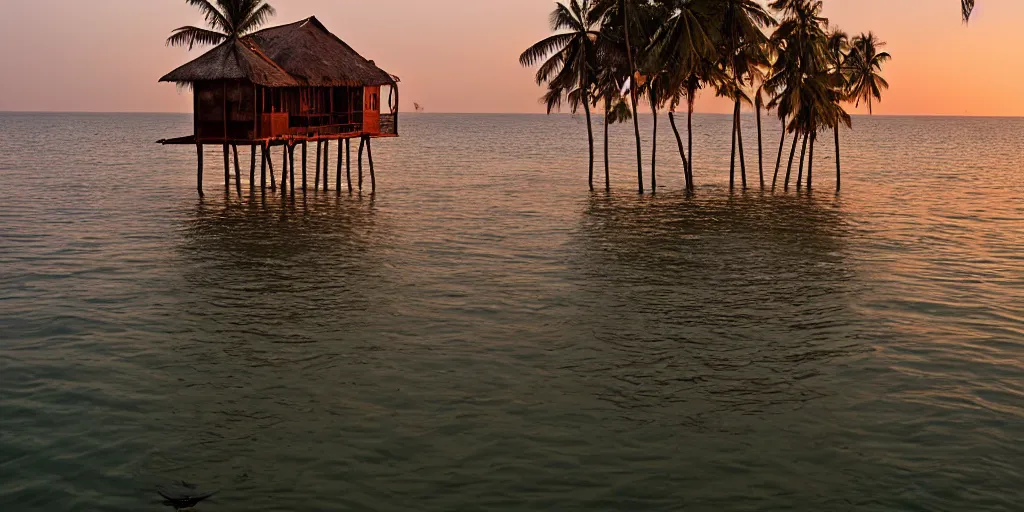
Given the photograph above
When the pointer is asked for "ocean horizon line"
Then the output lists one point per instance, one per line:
(745, 112)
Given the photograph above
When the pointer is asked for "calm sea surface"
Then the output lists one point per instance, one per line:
(486, 334)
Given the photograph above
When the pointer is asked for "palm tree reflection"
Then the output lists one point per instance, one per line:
(723, 302)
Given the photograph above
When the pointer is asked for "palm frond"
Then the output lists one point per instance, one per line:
(214, 17)
(256, 19)
(552, 100)
(620, 112)
(966, 8)
(545, 47)
(550, 67)
(564, 18)
(192, 36)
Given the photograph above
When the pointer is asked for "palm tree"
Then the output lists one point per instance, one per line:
(654, 78)
(708, 73)
(758, 105)
(622, 21)
(609, 91)
(729, 89)
(682, 48)
(799, 42)
(570, 69)
(616, 111)
(654, 89)
(821, 108)
(692, 84)
(225, 18)
(865, 68)
(838, 44)
(756, 60)
(739, 24)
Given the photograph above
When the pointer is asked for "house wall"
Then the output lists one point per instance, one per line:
(225, 109)
(242, 111)
(371, 110)
(311, 111)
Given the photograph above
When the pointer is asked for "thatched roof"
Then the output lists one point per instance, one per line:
(304, 53)
(233, 60)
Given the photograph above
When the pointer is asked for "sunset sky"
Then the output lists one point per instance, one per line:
(461, 55)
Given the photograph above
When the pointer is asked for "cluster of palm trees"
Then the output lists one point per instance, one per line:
(782, 58)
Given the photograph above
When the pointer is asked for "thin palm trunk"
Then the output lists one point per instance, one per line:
(743, 158)
(732, 155)
(789, 168)
(760, 148)
(800, 171)
(689, 137)
(590, 139)
(654, 151)
(639, 153)
(778, 161)
(632, 101)
(732, 158)
(682, 152)
(607, 173)
(839, 173)
(810, 162)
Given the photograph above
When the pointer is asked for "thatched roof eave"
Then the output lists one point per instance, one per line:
(233, 59)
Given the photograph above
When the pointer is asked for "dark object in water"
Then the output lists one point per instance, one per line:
(183, 495)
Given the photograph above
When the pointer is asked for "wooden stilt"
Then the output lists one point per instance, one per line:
(270, 165)
(337, 177)
(252, 167)
(227, 169)
(316, 179)
(304, 149)
(362, 142)
(284, 168)
(238, 171)
(369, 157)
(291, 165)
(263, 167)
(327, 158)
(199, 170)
(348, 163)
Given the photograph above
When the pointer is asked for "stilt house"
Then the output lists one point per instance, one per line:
(286, 85)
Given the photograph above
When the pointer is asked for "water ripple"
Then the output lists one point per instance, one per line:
(486, 334)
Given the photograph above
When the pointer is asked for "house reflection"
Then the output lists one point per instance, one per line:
(288, 271)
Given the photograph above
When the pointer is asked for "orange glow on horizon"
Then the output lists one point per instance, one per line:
(461, 55)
